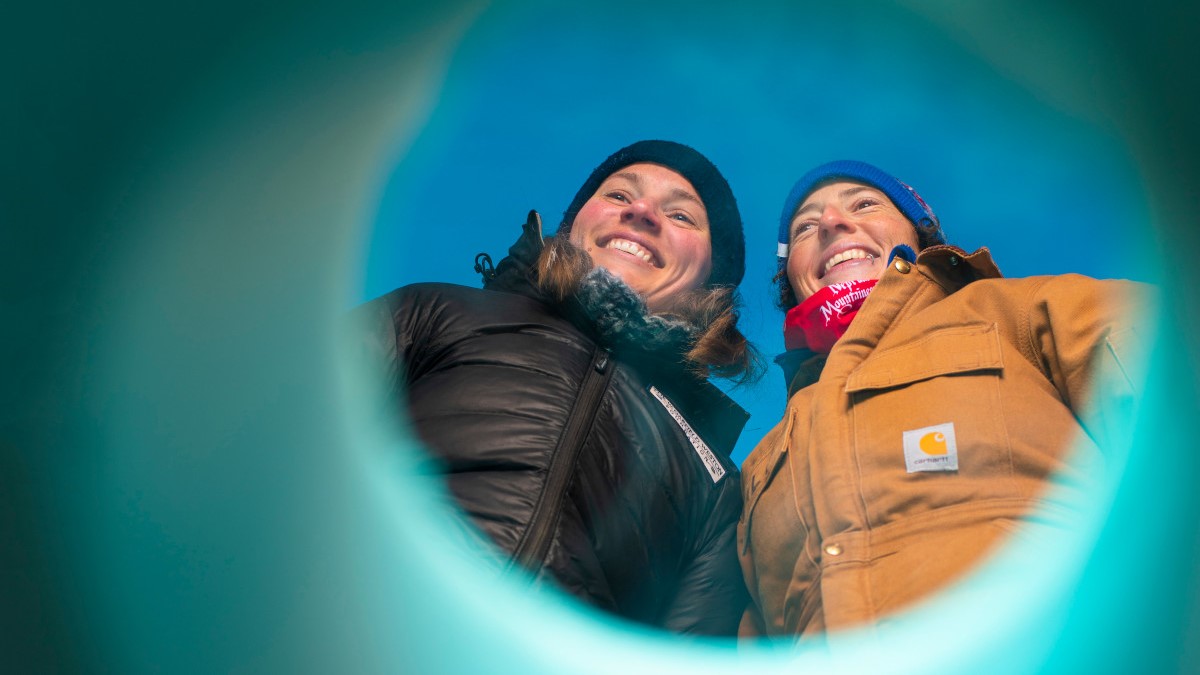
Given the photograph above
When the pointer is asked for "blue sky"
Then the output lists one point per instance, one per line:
(537, 94)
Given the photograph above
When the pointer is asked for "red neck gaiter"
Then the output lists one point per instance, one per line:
(823, 317)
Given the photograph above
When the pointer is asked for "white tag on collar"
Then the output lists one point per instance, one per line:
(931, 449)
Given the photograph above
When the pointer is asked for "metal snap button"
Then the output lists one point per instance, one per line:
(834, 549)
(902, 266)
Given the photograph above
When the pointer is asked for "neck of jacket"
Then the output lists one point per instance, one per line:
(948, 267)
(648, 344)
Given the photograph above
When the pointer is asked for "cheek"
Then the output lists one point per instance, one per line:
(576, 235)
(797, 269)
(902, 232)
(698, 252)
(586, 223)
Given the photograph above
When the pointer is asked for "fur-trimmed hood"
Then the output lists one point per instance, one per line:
(604, 306)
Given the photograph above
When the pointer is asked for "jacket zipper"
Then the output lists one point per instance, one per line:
(531, 551)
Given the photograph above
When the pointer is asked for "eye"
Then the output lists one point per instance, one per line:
(802, 228)
(865, 202)
(617, 195)
(683, 217)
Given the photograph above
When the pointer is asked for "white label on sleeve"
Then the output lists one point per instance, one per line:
(706, 455)
(931, 449)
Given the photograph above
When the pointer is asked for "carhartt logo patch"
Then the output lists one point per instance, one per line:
(931, 449)
(711, 463)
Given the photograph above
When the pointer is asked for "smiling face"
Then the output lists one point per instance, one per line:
(843, 232)
(647, 225)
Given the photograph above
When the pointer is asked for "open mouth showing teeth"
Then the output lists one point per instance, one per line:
(852, 254)
(626, 246)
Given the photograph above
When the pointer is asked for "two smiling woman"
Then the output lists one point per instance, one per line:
(930, 399)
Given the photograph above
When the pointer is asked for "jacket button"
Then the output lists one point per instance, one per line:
(833, 549)
(902, 266)
(953, 260)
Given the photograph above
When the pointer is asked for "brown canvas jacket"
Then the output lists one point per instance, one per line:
(945, 363)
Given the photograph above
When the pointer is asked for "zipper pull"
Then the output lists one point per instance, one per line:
(602, 361)
(483, 265)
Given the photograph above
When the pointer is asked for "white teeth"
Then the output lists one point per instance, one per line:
(632, 249)
(852, 254)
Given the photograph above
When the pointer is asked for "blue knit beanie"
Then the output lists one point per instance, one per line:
(929, 230)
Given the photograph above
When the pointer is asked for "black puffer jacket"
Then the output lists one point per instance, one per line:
(572, 451)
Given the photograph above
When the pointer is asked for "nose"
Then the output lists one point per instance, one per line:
(833, 219)
(641, 213)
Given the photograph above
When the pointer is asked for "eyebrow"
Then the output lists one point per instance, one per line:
(848, 192)
(676, 193)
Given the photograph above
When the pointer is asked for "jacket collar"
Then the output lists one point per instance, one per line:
(515, 272)
(715, 416)
(604, 307)
(801, 367)
(947, 266)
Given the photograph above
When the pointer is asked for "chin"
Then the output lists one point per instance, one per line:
(846, 279)
(624, 271)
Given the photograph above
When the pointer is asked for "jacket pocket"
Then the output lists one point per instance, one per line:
(961, 349)
(928, 424)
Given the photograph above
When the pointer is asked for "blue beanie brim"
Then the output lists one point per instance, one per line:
(904, 197)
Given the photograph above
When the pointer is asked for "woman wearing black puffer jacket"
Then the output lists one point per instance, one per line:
(567, 401)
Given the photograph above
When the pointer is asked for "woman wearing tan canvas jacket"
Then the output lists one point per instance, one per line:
(930, 400)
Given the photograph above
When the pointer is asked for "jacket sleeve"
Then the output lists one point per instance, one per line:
(373, 345)
(711, 595)
(1091, 339)
(387, 338)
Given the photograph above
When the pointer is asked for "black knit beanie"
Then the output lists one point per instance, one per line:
(724, 221)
